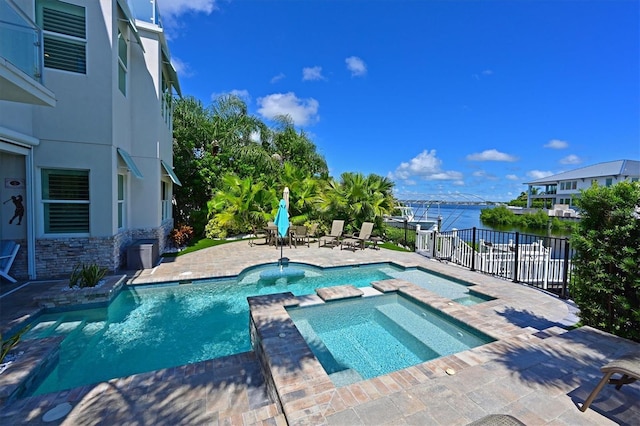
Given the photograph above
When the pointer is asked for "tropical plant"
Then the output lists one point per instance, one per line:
(303, 191)
(240, 206)
(86, 275)
(291, 146)
(181, 235)
(211, 142)
(606, 279)
(11, 342)
(357, 199)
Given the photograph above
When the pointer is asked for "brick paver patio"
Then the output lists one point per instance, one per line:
(536, 371)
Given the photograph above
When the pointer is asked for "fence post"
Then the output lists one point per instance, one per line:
(406, 243)
(565, 270)
(473, 250)
(516, 258)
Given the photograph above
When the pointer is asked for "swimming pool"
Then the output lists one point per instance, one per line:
(363, 338)
(158, 326)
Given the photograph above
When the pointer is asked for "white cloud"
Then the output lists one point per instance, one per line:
(426, 166)
(277, 78)
(484, 174)
(539, 174)
(512, 177)
(356, 66)
(301, 111)
(491, 155)
(556, 144)
(571, 159)
(484, 73)
(182, 68)
(242, 94)
(171, 9)
(312, 73)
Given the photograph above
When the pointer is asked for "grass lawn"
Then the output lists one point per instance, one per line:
(199, 245)
(207, 242)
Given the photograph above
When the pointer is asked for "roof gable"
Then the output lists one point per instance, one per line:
(611, 168)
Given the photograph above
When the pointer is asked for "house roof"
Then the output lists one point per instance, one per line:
(610, 168)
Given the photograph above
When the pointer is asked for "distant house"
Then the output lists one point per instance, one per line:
(86, 91)
(564, 188)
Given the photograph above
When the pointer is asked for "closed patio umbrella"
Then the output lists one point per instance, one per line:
(285, 196)
(282, 222)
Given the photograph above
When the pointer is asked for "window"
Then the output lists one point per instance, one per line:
(609, 182)
(561, 186)
(121, 201)
(574, 184)
(123, 49)
(64, 35)
(166, 201)
(65, 196)
(167, 104)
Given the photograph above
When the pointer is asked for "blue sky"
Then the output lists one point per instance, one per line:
(443, 97)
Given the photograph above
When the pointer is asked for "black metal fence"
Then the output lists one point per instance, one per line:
(538, 261)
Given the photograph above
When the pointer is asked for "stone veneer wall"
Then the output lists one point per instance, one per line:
(56, 258)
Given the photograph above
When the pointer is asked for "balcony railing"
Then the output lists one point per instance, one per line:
(146, 10)
(20, 40)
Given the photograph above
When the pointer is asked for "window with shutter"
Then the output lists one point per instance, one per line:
(64, 34)
(65, 196)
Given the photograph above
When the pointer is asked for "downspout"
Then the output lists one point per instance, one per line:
(31, 218)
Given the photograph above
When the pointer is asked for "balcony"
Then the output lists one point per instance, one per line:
(21, 58)
(145, 11)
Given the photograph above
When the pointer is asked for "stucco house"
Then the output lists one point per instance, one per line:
(563, 188)
(86, 155)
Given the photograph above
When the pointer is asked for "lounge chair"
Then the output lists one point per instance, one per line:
(8, 252)
(333, 238)
(358, 240)
(628, 365)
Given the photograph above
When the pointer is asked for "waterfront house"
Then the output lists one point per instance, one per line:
(86, 91)
(562, 189)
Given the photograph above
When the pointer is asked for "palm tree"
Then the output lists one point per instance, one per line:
(303, 190)
(357, 199)
(241, 205)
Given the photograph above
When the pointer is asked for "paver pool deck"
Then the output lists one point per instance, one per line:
(536, 371)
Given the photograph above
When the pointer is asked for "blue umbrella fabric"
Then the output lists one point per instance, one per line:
(282, 222)
(282, 219)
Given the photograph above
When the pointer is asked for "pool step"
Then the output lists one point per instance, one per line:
(429, 333)
(329, 363)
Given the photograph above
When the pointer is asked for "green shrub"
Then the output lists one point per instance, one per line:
(86, 275)
(606, 279)
(396, 236)
(497, 216)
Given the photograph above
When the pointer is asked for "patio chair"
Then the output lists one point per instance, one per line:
(358, 240)
(299, 234)
(333, 238)
(8, 252)
(312, 231)
(627, 365)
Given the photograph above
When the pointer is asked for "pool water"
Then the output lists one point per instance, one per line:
(363, 338)
(147, 328)
(158, 326)
(456, 290)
